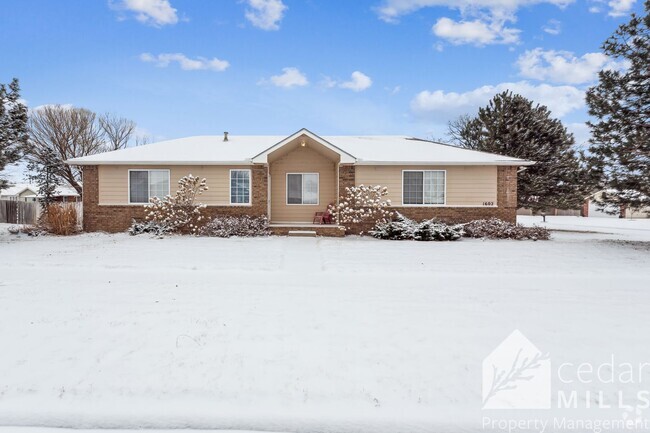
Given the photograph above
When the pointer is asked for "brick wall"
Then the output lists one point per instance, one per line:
(118, 218)
(114, 219)
(506, 208)
(346, 178)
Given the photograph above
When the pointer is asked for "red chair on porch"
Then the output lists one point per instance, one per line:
(323, 217)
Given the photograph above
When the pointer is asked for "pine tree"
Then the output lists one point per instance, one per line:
(620, 102)
(44, 176)
(511, 125)
(13, 126)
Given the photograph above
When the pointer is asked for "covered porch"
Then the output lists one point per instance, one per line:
(303, 178)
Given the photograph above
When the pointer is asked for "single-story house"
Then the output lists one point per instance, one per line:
(29, 193)
(290, 178)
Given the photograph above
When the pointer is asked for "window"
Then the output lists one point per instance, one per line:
(145, 184)
(240, 186)
(302, 188)
(423, 187)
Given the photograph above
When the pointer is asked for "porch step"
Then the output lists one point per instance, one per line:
(302, 233)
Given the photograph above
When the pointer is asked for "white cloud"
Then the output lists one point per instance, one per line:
(615, 8)
(443, 106)
(187, 64)
(265, 14)
(619, 8)
(391, 10)
(563, 66)
(553, 27)
(358, 82)
(290, 77)
(475, 32)
(153, 12)
(482, 22)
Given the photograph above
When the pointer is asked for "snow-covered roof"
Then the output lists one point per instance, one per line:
(19, 188)
(246, 149)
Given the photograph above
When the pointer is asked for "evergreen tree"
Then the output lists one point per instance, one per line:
(620, 102)
(511, 125)
(44, 176)
(13, 126)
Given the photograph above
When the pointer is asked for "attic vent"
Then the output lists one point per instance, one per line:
(225, 136)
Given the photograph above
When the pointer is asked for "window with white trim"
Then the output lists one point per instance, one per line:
(423, 187)
(240, 186)
(302, 188)
(146, 184)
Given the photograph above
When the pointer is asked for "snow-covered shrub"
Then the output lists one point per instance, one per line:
(29, 230)
(149, 227)
(179, 212)
(402, 228)
(397, 228)
(495, 228)
(362, 204)
(431, 230)
(244, 226)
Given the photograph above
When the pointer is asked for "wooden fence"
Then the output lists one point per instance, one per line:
(19, 212)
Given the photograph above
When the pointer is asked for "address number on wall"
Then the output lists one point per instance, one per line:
(488, 203)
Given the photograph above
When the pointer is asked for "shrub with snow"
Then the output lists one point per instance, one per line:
(245, 226)
(403, 228)
(149, 227)
(495, 228)
(180, 212)
(362, 204)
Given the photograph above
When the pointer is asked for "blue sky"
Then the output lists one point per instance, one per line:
(189, 67)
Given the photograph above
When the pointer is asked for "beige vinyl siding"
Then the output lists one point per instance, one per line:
(114, 182)
(466, 185)
(301, 160)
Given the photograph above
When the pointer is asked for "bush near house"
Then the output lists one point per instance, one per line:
(227, 226)
(180, 212)
(495, 228)
(403, 228)
(149, 227)
(362, 204)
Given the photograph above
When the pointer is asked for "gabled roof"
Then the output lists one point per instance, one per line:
(249, 149)
(262, 157)
(18, 189)
(15, 190)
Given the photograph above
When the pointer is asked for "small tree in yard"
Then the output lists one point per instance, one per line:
(362, 204)
(44, 176)
(180, 212)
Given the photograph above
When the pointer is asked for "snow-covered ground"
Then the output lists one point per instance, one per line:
(298, 334)
(615, 228)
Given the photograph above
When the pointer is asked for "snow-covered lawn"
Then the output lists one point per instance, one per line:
(615, 228)
(297, 334)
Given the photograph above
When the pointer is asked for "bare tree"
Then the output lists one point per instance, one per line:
(456, 129)
(117, 130)
(142, 139)
(58, 133)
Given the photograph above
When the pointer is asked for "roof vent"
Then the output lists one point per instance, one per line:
(225, 136)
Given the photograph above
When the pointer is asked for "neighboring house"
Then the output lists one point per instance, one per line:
(290, 178)
(29, 193)
(593, 208)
